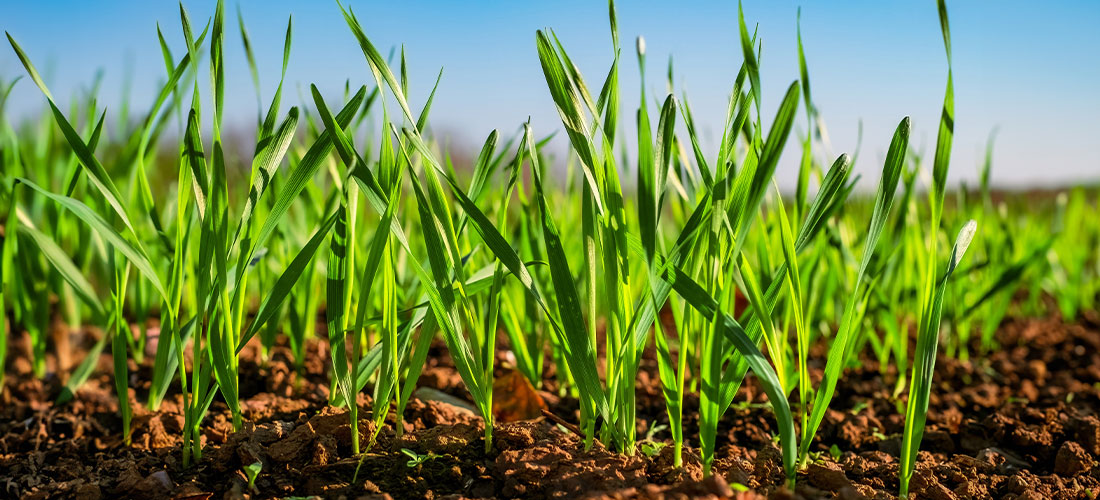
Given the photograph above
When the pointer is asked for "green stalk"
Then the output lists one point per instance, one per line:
(841, 345)
(118, 347)
(924, 361)
(7, 242)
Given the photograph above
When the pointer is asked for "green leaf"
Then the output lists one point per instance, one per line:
(803, 72)
(378, 64)
(565, 97)
(303, 173)
(697, 297)
(83, 370)
(446, 307)
(97, 174)
(65, 267)
(575, 341)
(841, 344)
(135, 255)
(748, 50)
(266, 163)
(334, 298)
(765, 169)
(924, 362)
(285, 284)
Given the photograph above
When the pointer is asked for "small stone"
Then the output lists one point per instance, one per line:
(1088, 434)
(767, 467)
(737, 476)
(939, 441)
(717, 486)
(155, 485)
(324, 450)
(370, 487)
(1071, 459)
(827, 476)
(971, 489)
(926, 485)
(1037, 369)
(1017, 484)
(937, 491)
(849, 493)
(88, 491)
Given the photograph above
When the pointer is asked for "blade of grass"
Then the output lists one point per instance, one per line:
(841, 344)
(924, 363)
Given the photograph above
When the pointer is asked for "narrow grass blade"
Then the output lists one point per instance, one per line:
(697, 297)
(284, 286)
(83, 370)
(303, 172)
(135, 255)
(924, 362)
(841, 344)
(65, 267)
(98, 175)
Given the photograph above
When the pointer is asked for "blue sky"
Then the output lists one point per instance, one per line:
(1030, 69)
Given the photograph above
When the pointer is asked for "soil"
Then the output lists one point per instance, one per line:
(1020, 423)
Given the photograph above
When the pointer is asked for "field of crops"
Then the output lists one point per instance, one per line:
(350, 311)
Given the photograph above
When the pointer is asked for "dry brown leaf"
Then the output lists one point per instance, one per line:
(515, 399)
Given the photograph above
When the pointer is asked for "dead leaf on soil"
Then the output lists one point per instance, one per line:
(515, 399)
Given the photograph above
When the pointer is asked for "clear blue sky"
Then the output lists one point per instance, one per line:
(1030, 68)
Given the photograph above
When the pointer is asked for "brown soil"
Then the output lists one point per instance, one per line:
(1021, 423)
